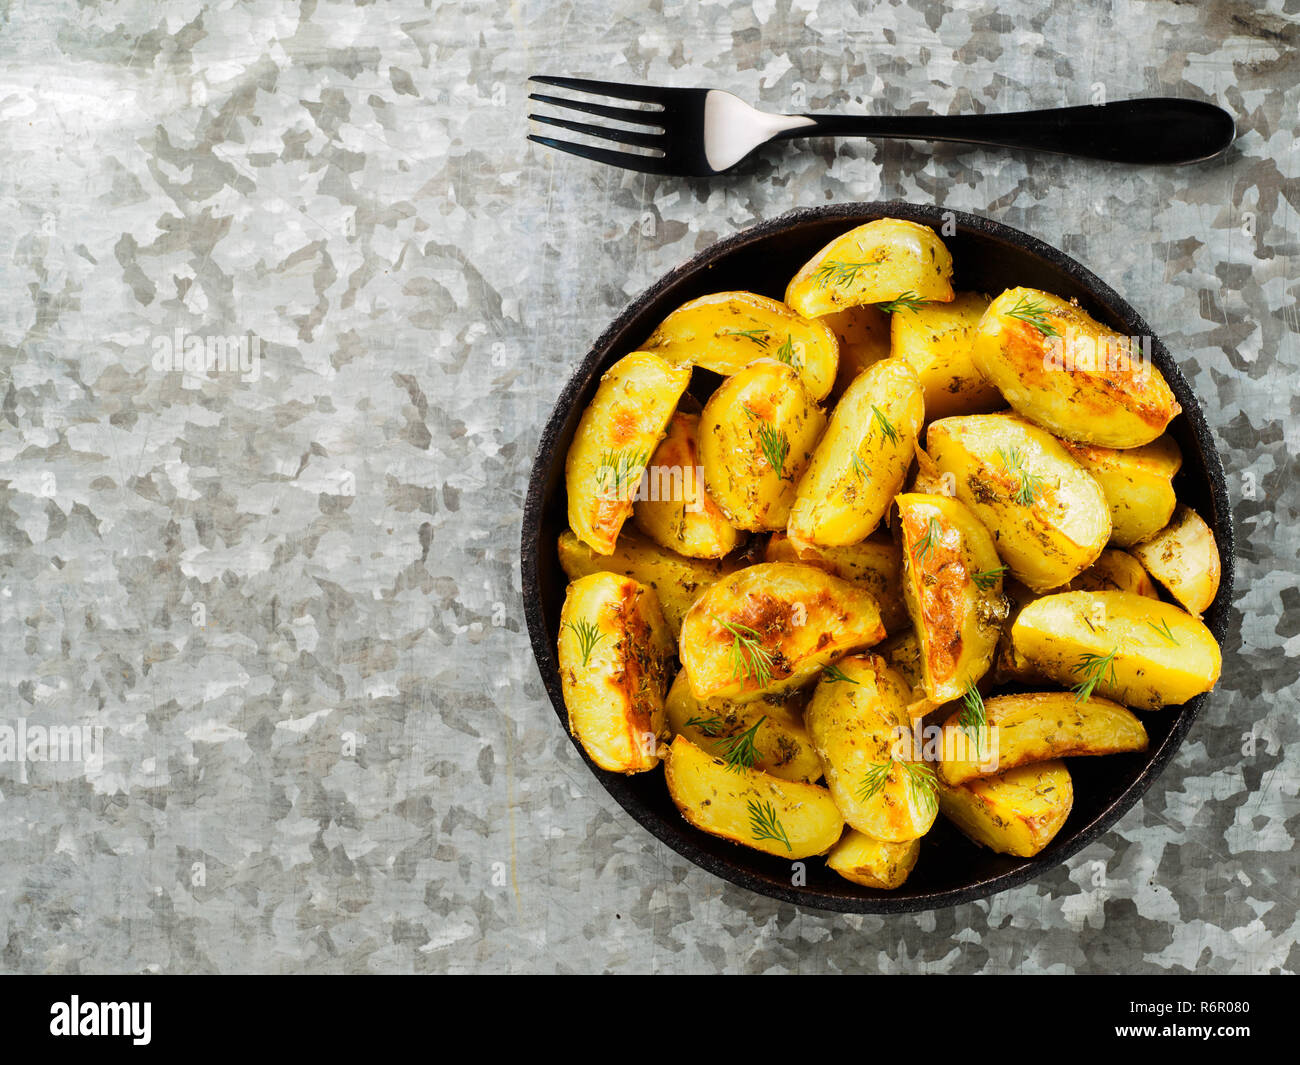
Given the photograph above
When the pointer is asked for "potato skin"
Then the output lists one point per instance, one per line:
(783, 744)
(861, 723)
(1114, 571)
(677, 512)
(1150, 669)
(872, 862)
(1045, 376)
(863, 333)
(1046, 540)
(764, 398)
(876, 563)
(861, 460)
(1184, 557)
(802, 618)
(1018, 812)
(724, 802)
(936, 339)
(614, 440)
(1038, 727)
(1137, 484)
(677, 580)
(957, 619)
(726, 331)
(614, 692)
(906, 257)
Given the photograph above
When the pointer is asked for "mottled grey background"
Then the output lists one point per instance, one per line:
(293, 603)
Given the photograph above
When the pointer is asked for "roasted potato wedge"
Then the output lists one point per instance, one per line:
(614, 440)
(747, 806)
(1114, 571)
(1021, 729)
(1046, 513)
(952, 584)
(903, 654)
(874, 263)
(757, 435)
(1141, 652)
(1137, 483)
(1018, 812)
(861, 731)
(1008, 665)
(1061, 369)
(675, 511)
(861, 461)
(614, 648)
(1184, 557)
(876, 563)
(863, 335)
(773, 730)
(873, 863)
(936, 338)
(677, 580)
(726, 331)
(768, 628)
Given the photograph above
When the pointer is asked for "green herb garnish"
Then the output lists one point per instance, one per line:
(1030, 485)
(1163, 630)
(739, 752)
(588, 634)
(986, 579)
(773, 442)
(763, 823)
(908, 301)
(623, 468)
(709, 726)
(1034, 313)
(785, 353)
(838, 272)
(974, 719)
(1093, 669)
(924, 547)
(749, 658)
(886, 428)
(922, 785)
(834, 674)
(758, 336)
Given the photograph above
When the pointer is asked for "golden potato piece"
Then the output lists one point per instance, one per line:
(757, 434)
(861, 731)
(952, 584)
(876, 563)
(1137, 483)
(726, 331)
(861, 461)
(614, 647)
(1114, 571)
(774, 731)
(903, 653)
(1018, 812)
(614, 440)
(1063, 370)
(1184, 557)
(674, 510)
(747, 806)
(1046, 513)
(1022, 729)
(677, 580)
(863, 335)
(874, 263)
(768, 628)
(1141, 652)
(936, 338)
(872, 862)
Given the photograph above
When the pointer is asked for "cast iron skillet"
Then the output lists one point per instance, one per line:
(987, 256)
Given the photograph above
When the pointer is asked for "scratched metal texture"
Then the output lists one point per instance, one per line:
(290, 598)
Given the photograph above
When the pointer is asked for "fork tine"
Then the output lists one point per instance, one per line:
(647, 164)
(623, 136)
(617, 89)
(621, 114)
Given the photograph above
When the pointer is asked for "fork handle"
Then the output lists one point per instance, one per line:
(1151, 130)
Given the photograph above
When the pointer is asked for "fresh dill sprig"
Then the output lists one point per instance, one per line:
(974, 719)
(875, 779)
(588, 633)
(924, 547)
(623, 468)
(758, 336)
(1030, 485)
(859, 466)
(710, 726)
(749, 658)
(834, 674)
(739, 752)
(908, 301)
(986, 579)
(1034, 313)
(1163, 630)
(1093, 669)
(773, 442)
(785, 353)
(922, 785)
(887, 429)
(839, 272)
(763, 823)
